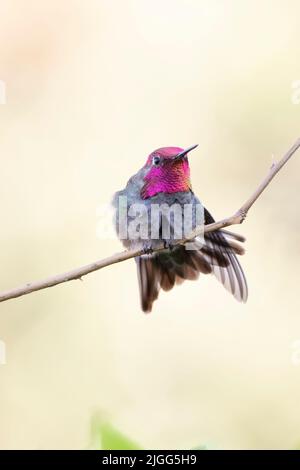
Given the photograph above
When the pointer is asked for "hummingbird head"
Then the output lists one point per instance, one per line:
(167, 171)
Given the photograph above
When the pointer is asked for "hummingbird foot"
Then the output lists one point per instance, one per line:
(147, 248)
(168, 245)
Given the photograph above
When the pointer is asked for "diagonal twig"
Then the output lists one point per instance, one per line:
(78, 273)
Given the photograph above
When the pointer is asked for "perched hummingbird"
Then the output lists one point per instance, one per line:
(165, 180)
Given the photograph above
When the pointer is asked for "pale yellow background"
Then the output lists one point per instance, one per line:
(92, 88)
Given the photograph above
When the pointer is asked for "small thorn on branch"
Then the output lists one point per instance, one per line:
(273, 165)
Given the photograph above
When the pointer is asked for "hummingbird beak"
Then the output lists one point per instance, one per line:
(185, 152)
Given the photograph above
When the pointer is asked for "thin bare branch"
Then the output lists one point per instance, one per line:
(78, 273)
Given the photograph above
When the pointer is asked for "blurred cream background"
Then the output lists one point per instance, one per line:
(92, 88)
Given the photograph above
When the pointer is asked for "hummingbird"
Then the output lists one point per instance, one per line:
(164, 181)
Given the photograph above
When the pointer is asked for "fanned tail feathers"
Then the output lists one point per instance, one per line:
(217, 256)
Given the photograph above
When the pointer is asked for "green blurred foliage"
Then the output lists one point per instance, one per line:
(104, 436)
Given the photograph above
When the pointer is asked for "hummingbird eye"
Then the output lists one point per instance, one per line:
(156, 160)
